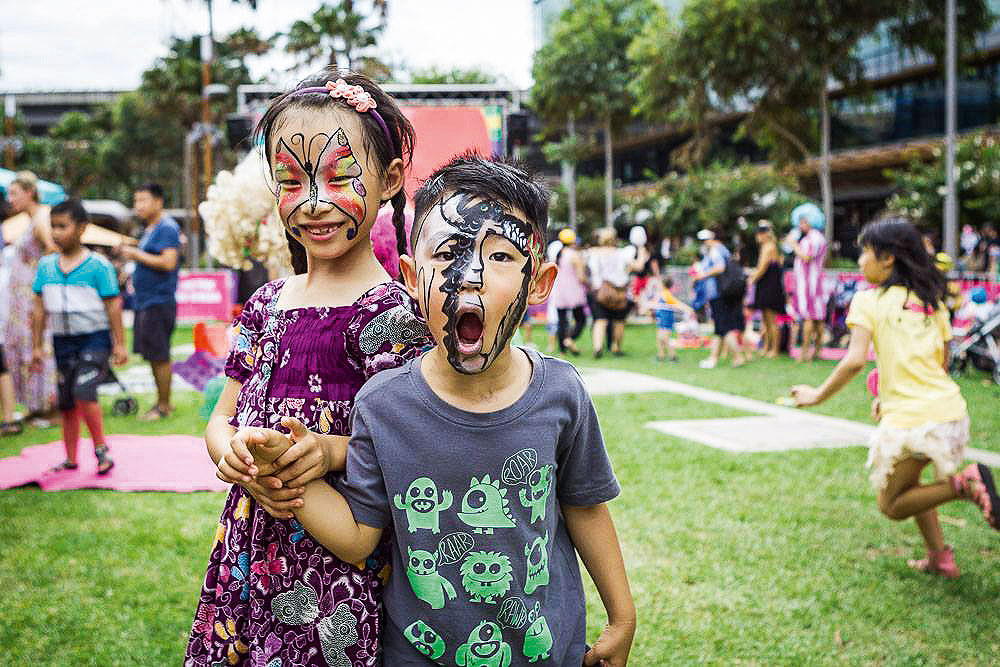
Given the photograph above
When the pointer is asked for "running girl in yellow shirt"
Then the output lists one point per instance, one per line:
(922, 415)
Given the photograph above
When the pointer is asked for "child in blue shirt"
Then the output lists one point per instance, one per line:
(665, 306)
(77, 291)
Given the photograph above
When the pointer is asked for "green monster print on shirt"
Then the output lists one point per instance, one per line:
(484, 648)
(486, 575)
(423, 509)
(427, 584)
(538, 637)
(485, 506)
(537, 562)
(537, 493)
(425, 639)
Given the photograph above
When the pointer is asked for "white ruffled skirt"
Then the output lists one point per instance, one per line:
(943, 443)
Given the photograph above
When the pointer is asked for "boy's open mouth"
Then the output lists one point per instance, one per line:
(469, 331)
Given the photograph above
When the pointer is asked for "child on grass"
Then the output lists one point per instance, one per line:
(665, 306)
(78, 291)
(484, 461)
(272, 594)
(922, 416)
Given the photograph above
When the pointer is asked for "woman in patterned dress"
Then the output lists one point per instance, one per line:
(34, 389)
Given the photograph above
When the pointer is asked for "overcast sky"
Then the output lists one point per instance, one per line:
(106, 44)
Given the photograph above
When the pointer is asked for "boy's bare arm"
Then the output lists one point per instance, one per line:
(113, 307)
(593, 534)
(328, 518)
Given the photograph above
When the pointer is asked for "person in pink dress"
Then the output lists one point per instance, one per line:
(569, 293)
(809, 296)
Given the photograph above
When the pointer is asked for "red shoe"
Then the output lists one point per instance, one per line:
(975, 483)
(937, 562)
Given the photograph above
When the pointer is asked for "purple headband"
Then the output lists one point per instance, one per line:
(356, 96)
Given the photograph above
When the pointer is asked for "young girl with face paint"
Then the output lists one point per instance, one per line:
(921, 413)
(272, 594)
(484, 461)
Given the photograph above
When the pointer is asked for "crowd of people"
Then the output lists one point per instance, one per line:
(61, 326)
(611, 279)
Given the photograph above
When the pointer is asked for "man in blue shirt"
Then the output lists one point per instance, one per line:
(155, 283)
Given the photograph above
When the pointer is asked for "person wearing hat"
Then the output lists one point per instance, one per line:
(727, 312)
(809, 298)
(569, 293)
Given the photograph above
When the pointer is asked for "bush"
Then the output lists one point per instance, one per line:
(681, 204)
(921, 186)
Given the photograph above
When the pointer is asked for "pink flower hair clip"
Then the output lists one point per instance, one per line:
(356, 96)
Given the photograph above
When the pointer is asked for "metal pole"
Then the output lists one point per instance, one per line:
(950, 198)
(9, 111)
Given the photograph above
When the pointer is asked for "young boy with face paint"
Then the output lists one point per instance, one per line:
(485, 461)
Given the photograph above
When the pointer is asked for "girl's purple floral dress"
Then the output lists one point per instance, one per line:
(273, 597)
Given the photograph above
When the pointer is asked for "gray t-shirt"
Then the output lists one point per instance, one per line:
(483, 570)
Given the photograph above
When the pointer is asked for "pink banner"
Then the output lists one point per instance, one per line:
(205, 295)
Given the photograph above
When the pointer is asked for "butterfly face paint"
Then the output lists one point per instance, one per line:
(327, 186)
(475, 263)
(317, 174)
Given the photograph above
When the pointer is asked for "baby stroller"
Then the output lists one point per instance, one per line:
(836, 310)
(979, 346)
(125, 404)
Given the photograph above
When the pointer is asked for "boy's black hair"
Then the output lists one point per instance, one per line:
(373, 136)
(154, 189)
(914, 267)
(497, 178)
(72, 207)
(667, 279)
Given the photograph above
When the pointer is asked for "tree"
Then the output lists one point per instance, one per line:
(338, 36)
(775, 60)
(453, 75)
(583, 71)
(920, 187)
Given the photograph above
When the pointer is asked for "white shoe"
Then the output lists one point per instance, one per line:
(707, 363)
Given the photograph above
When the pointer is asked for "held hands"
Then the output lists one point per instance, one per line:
(612, 648)
(238, 466)
(805, 395)
(275, 467)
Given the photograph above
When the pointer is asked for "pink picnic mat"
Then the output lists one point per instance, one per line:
(142, 463)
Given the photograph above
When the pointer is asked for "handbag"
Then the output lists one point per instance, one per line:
(732, 282)
(611, 296)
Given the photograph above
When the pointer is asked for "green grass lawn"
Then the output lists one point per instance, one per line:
(751, 559)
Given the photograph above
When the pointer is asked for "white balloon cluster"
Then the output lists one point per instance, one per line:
(241, 220)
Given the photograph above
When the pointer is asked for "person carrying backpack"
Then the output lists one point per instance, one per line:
(725, 286)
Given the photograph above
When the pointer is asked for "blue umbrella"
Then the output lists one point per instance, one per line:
(811, 213)
(49, 193)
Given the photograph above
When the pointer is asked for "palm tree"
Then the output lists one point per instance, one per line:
(335, 35)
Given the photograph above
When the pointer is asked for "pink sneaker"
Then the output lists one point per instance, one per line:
(937, 562)
(975, 483)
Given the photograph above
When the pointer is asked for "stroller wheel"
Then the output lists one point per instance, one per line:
(956, 364)
(124, 406)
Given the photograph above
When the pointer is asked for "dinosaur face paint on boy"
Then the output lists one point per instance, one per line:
(322, 185)
(475, 262)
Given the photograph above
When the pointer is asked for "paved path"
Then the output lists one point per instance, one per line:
(777, 428)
